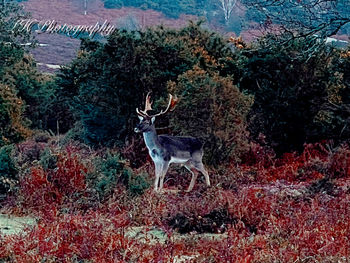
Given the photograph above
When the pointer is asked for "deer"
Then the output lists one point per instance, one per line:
(166, 149)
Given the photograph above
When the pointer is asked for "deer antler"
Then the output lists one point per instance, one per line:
(171, 105)
(148, 106)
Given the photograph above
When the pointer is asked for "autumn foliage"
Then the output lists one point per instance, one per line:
(294, 208)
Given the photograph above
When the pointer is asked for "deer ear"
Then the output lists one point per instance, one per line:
(153, 119)
(140, 117)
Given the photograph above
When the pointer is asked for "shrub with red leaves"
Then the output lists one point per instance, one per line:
(37, 191)
(69, 176)
(92, 236)
(39, 188)
(340, 162)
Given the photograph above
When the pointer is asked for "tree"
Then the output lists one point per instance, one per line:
(20, 80)
(298, 98)
(13, 127)
(213, 109)
(10, 14)
(301, 17)
(227, 7)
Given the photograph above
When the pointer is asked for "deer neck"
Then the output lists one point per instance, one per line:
(151, 138)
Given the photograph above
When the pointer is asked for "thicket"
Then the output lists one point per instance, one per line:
(8, 172)
(213, 109)
(301, 91)
(109, 81)
(27, 95)
(112, 170)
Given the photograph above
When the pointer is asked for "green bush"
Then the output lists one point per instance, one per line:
(213, 109)
(300, 95)
(109, 81)
(13, 125)
(333, 119)
(39, 92)
(48, 160)
(110, 171)
(8, 171)
(139, 183)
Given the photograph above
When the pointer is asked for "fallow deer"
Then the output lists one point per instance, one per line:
(166, 149)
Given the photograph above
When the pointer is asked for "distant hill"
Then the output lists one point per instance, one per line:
(61, 49)
(134, 15)
(171, 8)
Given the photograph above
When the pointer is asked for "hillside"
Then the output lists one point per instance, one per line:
(62, 49)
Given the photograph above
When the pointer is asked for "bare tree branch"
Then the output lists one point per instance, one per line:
(304, 17)
(227, 7)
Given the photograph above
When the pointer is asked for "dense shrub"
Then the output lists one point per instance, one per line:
(213, 109)
(35, 91)
(13, 125)
(337, 109)
(110, 170)
(300, 95)
(8, 171)
(64, 184)
(110, 80)
(38, 91)
(139, 183)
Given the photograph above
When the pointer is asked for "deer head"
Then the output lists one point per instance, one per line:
(147, 120)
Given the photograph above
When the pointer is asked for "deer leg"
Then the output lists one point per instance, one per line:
(164, 169)
(200, 167)
(194, 177)
(157, 171)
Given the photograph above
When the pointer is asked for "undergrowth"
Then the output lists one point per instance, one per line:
(291, 209)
